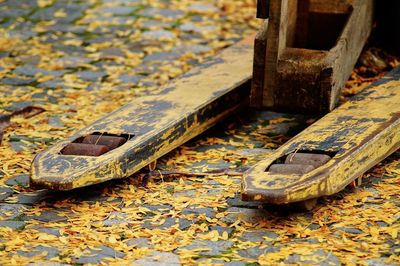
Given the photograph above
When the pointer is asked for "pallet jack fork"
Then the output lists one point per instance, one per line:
(292, 70)
(302, 60)
(334, 151)
(128, 139)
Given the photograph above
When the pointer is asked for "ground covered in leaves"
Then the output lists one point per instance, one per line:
(79, 60)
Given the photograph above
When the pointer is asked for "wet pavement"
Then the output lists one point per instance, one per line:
(80, 60)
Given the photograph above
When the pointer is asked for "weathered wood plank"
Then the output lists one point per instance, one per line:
(257, 84)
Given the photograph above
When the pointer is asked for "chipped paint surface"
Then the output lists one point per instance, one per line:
(157, 123)
(359, 134)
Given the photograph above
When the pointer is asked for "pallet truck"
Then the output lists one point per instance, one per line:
(295, 65)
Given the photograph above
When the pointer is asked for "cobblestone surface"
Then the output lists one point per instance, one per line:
(82, 59)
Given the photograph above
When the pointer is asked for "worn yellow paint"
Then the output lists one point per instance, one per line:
(157, 123)
(358, 135)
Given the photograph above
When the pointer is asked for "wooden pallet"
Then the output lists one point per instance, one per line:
(306, 55)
